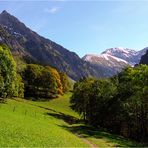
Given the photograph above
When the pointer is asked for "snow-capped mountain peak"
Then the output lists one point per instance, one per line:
(113, 60)
(129, 55)
(108, 57)
(118, 51)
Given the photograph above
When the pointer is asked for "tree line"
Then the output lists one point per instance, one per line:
(118, 104)
(33, 81)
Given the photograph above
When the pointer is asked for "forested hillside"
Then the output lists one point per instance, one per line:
(118, 104)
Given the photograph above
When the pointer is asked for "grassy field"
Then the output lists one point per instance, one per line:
(53, 123)
(27, 125)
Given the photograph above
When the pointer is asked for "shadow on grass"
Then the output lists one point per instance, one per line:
(67, 118)
(46, 108)
(90, 132)
(78, 127)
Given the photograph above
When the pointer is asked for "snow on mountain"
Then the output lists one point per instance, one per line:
(96, 58)
(131, 56)
(115, 59)
(30, 47)
(105, 60)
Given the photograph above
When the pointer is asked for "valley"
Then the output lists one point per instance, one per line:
(51, 97)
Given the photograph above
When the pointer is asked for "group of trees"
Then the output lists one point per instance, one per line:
(44, 81)
(118, 104)
(33, 81)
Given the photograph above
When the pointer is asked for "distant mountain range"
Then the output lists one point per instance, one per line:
(116, 59)
(110, 64)
(131, 56)
(33, 48)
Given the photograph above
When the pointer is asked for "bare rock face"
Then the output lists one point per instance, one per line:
(144, 58)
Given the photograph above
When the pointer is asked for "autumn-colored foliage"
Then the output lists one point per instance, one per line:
(42, 82)
(56, 75)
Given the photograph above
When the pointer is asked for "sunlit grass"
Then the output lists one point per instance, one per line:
(52, 123)
(22, 125)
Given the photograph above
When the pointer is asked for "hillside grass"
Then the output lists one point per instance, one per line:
(62, 109)
(53, 123)
(61, 105)
(25, 125)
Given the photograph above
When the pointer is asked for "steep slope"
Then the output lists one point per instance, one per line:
(131, 56)
(113, 60)
(144, 58)
(31, 46)
(8, 39)
(110, 64)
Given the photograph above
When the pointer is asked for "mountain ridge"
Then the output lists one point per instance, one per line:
(33, 48)
(115, 59)
(130, 55)
(41, 50)
(126, 55)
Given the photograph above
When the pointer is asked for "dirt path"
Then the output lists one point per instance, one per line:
(87, 141)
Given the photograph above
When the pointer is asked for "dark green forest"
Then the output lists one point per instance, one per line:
(118, 104)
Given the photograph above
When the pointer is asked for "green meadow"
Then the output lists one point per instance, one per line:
(26, 123)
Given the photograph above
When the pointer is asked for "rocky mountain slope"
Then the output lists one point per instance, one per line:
(111, 64)
(116, 59)
(104, 58)
(144, 58)
(34, 48)
(129, 55)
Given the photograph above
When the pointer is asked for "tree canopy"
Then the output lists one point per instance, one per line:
(42, 82)
(8, 75)
(118, 104)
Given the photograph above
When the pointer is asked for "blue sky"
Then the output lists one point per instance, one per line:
(85, 26)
